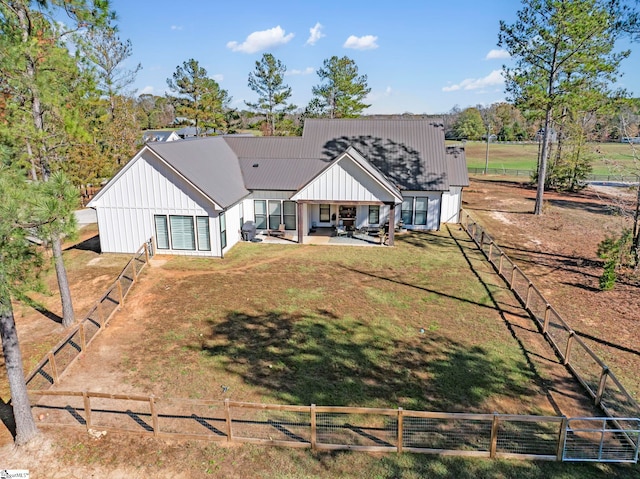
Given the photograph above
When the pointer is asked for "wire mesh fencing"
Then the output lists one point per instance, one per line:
(599, 382)
(63, 354)
(347, 428)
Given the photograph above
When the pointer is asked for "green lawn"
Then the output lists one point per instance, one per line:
(610, 158)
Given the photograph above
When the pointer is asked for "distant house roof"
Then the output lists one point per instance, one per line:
(159, 135)
(209, 164)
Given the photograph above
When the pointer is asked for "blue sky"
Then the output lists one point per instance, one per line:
(420, 56)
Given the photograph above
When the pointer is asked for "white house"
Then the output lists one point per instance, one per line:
(193, 196)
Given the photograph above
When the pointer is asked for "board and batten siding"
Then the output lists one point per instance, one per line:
(345, 181)
(451, 203)
(149, 187)
(433, 209)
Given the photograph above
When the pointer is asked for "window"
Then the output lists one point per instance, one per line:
(162, 232)
(223, 230)
(202, 224)
(289, 214)
(260, 213)
(421, 211)
(275, 211)
(374, 214)
(182, 233)
(325, 213)
(407, 210)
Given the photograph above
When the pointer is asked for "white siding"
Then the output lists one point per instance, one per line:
(148, 187)
(345, 181)
(451, 203)
(433, 209)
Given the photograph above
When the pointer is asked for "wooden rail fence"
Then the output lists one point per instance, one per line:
(599, 381)
(62, 355)
(343, 428)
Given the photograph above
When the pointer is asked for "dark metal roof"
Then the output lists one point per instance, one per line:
(457, 163)
(209, 164)
(287, 174)
(409, 152)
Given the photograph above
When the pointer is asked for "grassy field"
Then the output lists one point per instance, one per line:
(610, 158)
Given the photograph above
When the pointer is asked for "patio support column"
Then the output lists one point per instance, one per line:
(392, 222)
(300, 222)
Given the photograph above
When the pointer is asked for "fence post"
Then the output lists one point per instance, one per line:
(481, 239)
(120, 292)
(54, 368)
(601, 385)
(501, 259)
(313, 427)
(83, 337)
(513, 276)
(146, 253)
(227, 414)
(526, 303)
(100, 313)
(87, 409)
(154, 415)
(494, 436)
(400, 429)
(562, 438)
(568, 350)
(490, 252)
(545, 326)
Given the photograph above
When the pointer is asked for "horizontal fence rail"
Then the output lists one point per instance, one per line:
(599, 381)
(610, 178)
(62, 355)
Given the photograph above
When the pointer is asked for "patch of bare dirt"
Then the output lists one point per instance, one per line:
(558, 251)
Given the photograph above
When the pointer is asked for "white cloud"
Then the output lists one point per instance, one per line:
(497, 55)
(367, 42)
(176, 27)
(315, 34)
(148, 90)
(492, 79)
(219, 77)
(306, 71)
(388, 91)
(263, 40)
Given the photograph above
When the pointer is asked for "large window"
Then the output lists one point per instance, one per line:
(180, 232)
(407, 210)
(422, 205)
(223, 230)
(275, 214)
(202, 224)
(325, 213)
(289, 214)
(374, 214)
(260, 213)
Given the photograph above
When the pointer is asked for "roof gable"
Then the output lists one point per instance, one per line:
(349, 178)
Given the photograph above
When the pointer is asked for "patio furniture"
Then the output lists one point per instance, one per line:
(278, 232)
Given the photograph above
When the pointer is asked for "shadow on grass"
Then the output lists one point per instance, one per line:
(327, 360)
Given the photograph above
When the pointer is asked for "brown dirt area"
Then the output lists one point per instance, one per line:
(558, 252)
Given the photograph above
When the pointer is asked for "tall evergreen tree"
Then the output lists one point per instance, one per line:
(201, 98)
(267, 80)
(19, 263)
(341, 91)
(559, 47)
(42, 77)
